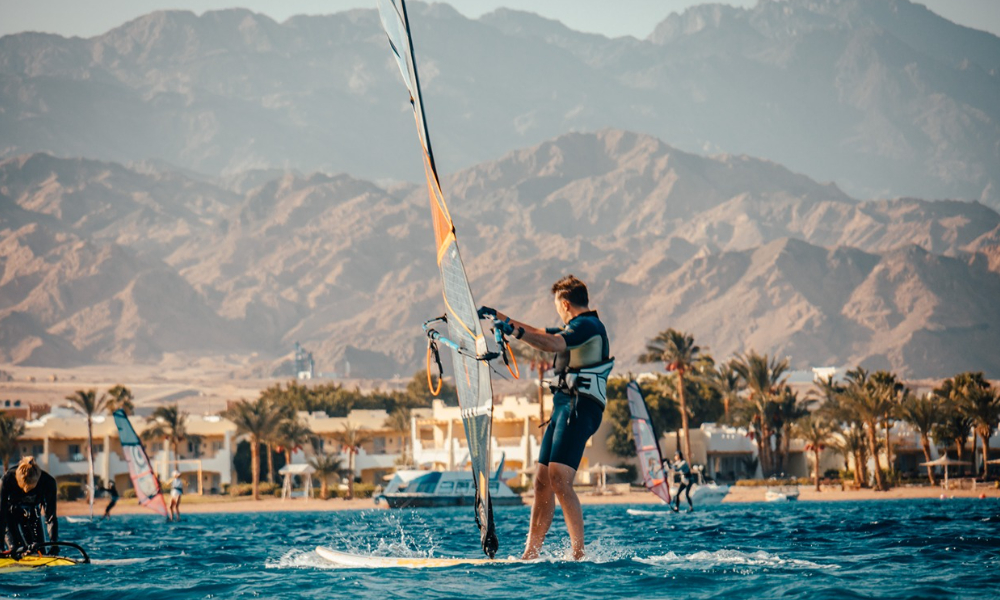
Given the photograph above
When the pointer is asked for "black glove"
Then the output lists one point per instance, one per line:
(504, 326)
(486, 311)
(52, 550)
(17, 553)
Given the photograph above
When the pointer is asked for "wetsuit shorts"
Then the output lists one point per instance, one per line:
(567, 434)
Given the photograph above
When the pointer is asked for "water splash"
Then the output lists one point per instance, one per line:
(708, 559)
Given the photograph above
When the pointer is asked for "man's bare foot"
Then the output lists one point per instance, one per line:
(529, 555)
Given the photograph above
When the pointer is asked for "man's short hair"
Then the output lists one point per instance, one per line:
(571, 289)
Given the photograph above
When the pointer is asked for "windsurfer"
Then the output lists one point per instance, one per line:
(582, 366)
(25, 491)
(681, 467)
(176, 492)
(112, 492)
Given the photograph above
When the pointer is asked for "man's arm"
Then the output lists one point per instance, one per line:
(535, 337)
(4, 509)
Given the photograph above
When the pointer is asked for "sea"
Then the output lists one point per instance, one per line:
(930, 549)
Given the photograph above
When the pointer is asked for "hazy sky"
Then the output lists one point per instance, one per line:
(611, 18)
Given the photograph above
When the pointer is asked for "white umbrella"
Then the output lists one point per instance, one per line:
(944, 461)
(604, 470)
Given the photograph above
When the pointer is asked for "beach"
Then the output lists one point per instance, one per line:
(225, 504)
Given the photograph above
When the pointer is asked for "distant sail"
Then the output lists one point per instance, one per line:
(145, 482)
(647, 445)
(468, 344)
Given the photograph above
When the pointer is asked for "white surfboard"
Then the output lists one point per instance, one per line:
(348, 559)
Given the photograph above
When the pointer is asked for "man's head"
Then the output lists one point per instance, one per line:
(27, 474)
(571, 297)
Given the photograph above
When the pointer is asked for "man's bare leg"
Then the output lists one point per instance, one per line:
(542, 510)
(561, 482)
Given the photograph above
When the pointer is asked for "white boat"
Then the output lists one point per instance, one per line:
(781, 493)
(704, 492)
(421, 489)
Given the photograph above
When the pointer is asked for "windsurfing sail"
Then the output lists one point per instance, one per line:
(468, 344)
(145, 482)
(647, 445)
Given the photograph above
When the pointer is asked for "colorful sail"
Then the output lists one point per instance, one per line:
(647, 445)
(472, 375)
(144, 480)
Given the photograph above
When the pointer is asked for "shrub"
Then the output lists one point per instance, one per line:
(69, 490)
(519, 489)
(129, 493)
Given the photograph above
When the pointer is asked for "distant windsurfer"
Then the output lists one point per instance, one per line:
(26, 491)
(681, 467)
(176, 492)
(583, 362)
(112, 492)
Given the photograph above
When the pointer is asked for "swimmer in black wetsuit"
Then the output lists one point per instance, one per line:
(25, 492)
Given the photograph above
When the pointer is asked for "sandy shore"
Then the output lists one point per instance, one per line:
(224, 504)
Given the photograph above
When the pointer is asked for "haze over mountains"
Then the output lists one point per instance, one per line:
(883, 98)
(218, 185)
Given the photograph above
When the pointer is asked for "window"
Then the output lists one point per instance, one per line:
(38, 449)
(98, 448)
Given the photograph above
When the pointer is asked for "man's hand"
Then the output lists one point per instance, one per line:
(504, 326)
(486, 311)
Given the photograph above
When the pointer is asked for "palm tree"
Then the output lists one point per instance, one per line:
(982, 407)
(120, 397)
(679, 354)
(291, 435)
(258, 419)
(866, 399)
(816, 433)
(167, 424)
(763, 377)
(399, 421)
(88, 403)
(923, 412)
(352, 436)
(784, 411)
(325, 465)
(726, 379)
(539, 361)
(956, 424)
(891, 391)
(853, 446)
(11, 430)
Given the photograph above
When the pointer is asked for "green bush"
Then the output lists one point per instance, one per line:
(264, 488)
(361, 490)
(770, 482)
(519, 489)
(69, 490)
(129, 493)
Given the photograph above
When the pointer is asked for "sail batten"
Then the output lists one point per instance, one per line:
(465, 334)
(647, 445)
(140, 469)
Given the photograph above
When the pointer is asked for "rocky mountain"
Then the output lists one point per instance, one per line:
(886, 99)
(103, 262)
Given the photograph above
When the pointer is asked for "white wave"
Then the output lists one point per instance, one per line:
(78, 519)
(639, 512)
(121, 561)
(299, 559)
(708, 559)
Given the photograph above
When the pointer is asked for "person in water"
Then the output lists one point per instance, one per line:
(176, 491)
(583, 362)
(26, 491)
(112, 491)
(681, 467)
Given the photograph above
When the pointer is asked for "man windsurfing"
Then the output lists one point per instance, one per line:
(583, 362)
(26, 491)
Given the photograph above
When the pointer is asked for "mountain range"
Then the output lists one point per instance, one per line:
(883, 98)
(103, 262)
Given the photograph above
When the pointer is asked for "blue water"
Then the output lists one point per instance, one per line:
(890, 549)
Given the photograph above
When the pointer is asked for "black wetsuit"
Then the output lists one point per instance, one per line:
(20, 518)
(113, 492)
(685, 487)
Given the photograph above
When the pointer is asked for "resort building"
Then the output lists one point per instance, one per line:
(379, 448)
(58, 441)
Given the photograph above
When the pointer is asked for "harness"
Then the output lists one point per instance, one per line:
(588, 382)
